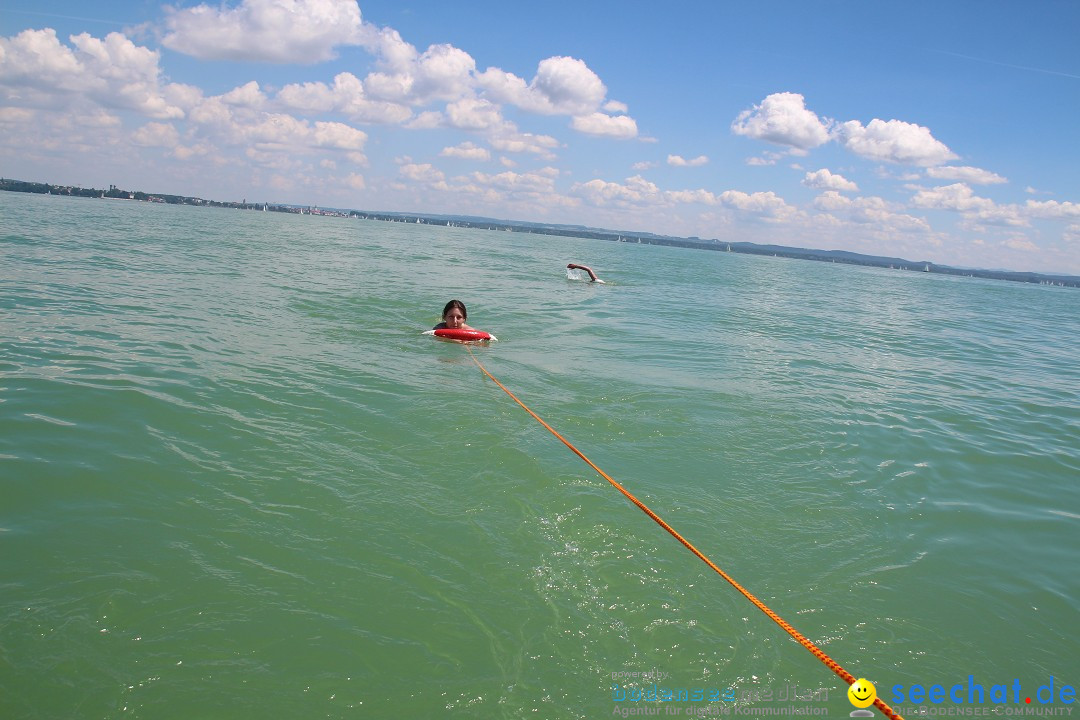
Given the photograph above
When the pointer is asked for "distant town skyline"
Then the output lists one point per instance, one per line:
(934, 131)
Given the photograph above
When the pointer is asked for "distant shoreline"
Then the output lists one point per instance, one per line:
(480, 223)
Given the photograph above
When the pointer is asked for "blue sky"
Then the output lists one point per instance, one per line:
(933, 131)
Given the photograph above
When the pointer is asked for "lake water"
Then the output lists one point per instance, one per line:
(236, 481)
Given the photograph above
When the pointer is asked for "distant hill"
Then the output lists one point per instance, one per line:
(582, 231)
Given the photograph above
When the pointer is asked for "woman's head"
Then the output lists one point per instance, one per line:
(454, 314)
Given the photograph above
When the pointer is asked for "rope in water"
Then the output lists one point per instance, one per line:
(814, 649)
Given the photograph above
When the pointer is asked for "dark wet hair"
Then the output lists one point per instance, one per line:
(456, 304)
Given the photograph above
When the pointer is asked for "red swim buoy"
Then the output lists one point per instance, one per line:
(461, 334)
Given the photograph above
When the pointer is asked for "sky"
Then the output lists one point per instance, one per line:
(938, 131)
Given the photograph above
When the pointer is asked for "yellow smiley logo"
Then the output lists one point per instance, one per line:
(861, 693)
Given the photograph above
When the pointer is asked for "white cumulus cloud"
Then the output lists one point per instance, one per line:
(422, 173)
(699, 196)
(311, 97)
(562, 86)
(276, 31)
(466, 151)
(541, 182)
(1020, 243)
(960, 198)
(783, 119)
(826, 180)
(767, 205)
(36, 57)
(278, 139)
(636, 192)
(427, 120)
(442, 72)
(768, 158)
(347, 96)
(680, 161)
(155, 134)
(36, 70)
(965, 174)
(568, 85)
(893, 141)
(957, 197)
(474, 114)
(1053, 209)
(338, 136)
(248, 95)
(519, 142)
(868, 211)
(621, 127)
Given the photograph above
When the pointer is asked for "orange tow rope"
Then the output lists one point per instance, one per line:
(814, 649)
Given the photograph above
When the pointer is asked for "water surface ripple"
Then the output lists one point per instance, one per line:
(238, 482)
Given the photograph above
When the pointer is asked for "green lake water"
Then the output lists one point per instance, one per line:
(236, 481)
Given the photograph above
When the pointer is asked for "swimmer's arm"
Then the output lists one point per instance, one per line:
(586, 268)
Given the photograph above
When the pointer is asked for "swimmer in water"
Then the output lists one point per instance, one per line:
(453, 315)
(586, 268)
